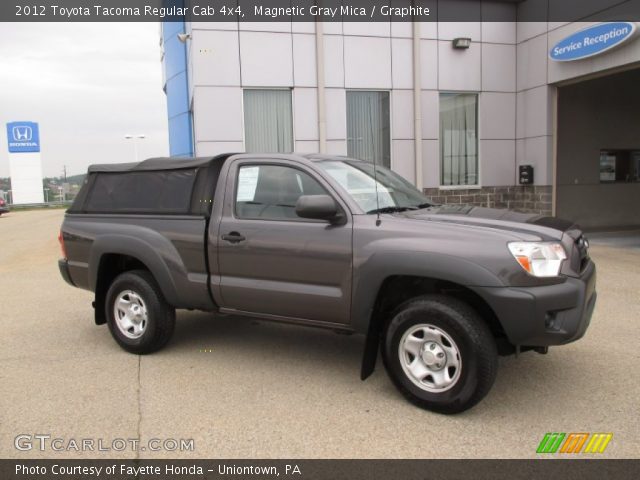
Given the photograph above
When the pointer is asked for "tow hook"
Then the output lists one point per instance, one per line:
(542, 350)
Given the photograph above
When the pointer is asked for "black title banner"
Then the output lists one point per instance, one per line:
(318, 10)
(318, 469)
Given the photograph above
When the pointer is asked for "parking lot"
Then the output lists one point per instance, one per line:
(243, 388)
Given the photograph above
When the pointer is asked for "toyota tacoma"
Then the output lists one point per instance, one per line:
(330, 242)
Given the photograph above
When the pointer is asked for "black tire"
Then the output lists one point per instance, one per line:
(476, 346)
(160, 318)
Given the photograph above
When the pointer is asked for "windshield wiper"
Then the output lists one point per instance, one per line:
(393, 209)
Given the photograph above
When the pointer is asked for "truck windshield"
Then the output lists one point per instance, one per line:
(357, 179)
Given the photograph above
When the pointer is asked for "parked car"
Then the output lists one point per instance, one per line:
(329, 242)
(4, 208)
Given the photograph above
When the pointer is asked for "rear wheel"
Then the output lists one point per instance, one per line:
(440, 354)
(139, 318)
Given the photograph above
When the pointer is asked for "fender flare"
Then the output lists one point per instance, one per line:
(144, 250)
(372, 274)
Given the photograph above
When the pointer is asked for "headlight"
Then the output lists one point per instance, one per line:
(541, 259)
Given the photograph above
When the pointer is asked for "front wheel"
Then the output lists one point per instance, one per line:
(440, 354)
(139, 318)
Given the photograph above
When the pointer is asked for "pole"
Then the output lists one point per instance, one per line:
(135, 139)
(417, 104)
(135, 148)
(322, 116)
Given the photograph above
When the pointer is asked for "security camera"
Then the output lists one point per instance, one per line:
(183, 37)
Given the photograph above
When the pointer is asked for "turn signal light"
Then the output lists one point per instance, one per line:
(62, 247)
(524, 263)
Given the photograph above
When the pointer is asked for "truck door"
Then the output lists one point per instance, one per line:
(271, 261)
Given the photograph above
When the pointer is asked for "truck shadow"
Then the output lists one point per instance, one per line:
(293, 344)
(522, 384)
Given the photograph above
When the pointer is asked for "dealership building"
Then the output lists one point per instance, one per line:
(535, 116)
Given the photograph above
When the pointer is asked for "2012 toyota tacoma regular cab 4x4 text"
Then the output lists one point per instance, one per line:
(328, 242)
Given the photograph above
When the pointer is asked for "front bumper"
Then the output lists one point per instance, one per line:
(547, 315)
(63, 265)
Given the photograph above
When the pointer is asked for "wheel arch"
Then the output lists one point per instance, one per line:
(111, 265)
(408, 275)
(113, 255)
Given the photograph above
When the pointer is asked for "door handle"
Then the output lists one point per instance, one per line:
(233, 237)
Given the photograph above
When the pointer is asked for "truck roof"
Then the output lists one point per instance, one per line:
(158, 164)
(177, 163)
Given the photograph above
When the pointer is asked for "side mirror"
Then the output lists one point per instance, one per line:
(318, 207)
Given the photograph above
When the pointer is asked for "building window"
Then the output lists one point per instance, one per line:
(368, 127)
(268, 123)
(619, 166)
(459, 139)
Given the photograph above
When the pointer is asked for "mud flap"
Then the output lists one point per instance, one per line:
(371, 345)
(98, 306)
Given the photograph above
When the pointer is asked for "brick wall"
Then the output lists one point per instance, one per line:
(522, 198)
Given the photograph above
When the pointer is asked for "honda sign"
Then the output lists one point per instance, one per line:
(23, 137)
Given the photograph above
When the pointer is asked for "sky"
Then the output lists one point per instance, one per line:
(87, 85)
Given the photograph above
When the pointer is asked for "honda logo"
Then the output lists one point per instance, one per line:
(23, 137)
(22, 133)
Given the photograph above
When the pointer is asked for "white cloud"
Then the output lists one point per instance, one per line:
(87, 85)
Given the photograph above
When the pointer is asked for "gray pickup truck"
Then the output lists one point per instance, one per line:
(330, 242)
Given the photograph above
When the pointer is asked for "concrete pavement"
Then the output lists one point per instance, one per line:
(243, 388)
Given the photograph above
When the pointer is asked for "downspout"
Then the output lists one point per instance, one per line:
(322, 116)
(554, 175)
(417, 104)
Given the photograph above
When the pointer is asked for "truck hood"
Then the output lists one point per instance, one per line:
(548, 228)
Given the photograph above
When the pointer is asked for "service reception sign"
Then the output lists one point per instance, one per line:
(592, 41)
(25, 164)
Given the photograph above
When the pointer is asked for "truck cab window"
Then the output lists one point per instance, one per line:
(270, 192)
